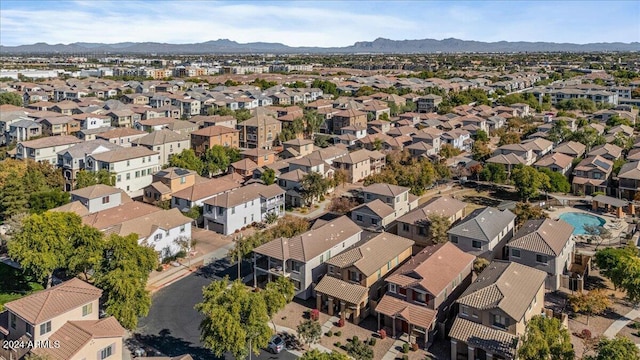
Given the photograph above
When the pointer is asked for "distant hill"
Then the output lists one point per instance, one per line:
(380, 45)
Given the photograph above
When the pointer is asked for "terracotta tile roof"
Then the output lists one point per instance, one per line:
(145, 225)
(544, 236)
(75, 335)
(369, 257)
(214, 130)
(312, 243)
(433, 268)
(57, 300)
(50, 141)
(95, 191)
(206, 188)
(507, 286)
(442, 205)
(560, 159)
(123, 154)
(245, 165)
(385, 189)
(107, 218)
(413, 314)
(339, 289)
(74, 207)
(483, 337)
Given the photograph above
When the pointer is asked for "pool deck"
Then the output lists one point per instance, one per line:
(612, 223)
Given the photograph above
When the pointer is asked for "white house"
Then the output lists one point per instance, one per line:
(302, 258)
(241, 207)
(45, 149)
(132, 167)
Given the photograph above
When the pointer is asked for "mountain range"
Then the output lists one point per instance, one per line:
(380, 45)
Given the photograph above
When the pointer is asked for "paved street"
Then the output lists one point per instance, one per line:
(172, 324)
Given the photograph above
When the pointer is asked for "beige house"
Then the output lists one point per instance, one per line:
(124, 137)
(415, 225)
(354, 277)
(165, 142)
(298, 148)
(168, 181)
(357, 165)
(494, 311)
(260, 131)
(59, 314)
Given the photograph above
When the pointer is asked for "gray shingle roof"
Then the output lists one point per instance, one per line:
(484, 224)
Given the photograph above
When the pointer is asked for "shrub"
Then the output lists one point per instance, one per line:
(159, 268)
(405, 357)
(338, 333)
(315, 314)
(337, 344)
(405, 348)
(354, 338)
(329, 333)
(585, 334)
(372, 341)
(181, 254)
(382, 333)
(340, 323)
(414, 347)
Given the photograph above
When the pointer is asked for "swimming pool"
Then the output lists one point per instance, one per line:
(578, 220)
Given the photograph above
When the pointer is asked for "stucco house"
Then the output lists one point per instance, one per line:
(484, 233)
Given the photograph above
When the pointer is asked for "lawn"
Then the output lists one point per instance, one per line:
(14, 284)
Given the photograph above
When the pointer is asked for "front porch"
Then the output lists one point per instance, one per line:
(338, 297)
(474, 341)
(409, 322)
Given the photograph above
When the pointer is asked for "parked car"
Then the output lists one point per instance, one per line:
(276, 345)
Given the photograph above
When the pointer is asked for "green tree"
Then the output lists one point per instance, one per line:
(89, 178)
(448, 151)
(479, 264)
(494, 173)
(313, 122)
(316, 354)
(242, 115)
(87, 252)
(438, 227)
(309, 331)
(528, 181)
(359, 350)
(44, 243)
(557, 181)
(313, 186)
(527, 211)
(591, 303)
(480, 150)
(194, 212)
(509, 138)
(268, 176)
(11, 98)
(277, 294)
(187, 159)
(622, 267)
(42, 201)
(481, 135)
(13, 197)
(545, 339)
(618, 348)
(122, 275)
(218, 158)
(235, 319)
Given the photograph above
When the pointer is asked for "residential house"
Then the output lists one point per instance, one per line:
(328, 154)
(494, 311)
(396, 197)
(60, 125)
(45, 149)
(92, 121)
(72, 159)
(355, 277)
(610, 152)
(546, 245)
(375, 215)
(99, 197)
(261, 157)
(260, 131)
(348, 117)
(308, 165)
(458, 138)
(66, 316)
(380, 126)
(123, 118)
(168, 181)
(421, 149)
(524, 152)
(124, 137)
(218, 120)
(241, 207)
(196, 194)
(244, 168)
(573, 149)
(484, 233)
(629, 180)
(556, 162)
(302, 258)
(206, 138)
(430, 136)
(428, 103)
(291, 181)
(165, 142)
(23, 130)
(297, 148)
(592, 175)
(415, 224)
(540, 147)
(422, 290)
(132, 167)
(356, 165)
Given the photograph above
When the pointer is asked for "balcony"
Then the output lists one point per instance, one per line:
(272, 204)
(271, 266)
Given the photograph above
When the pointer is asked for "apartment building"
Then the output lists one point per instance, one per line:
(132, 167)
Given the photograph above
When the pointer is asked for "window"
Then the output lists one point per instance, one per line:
(542, 259)
(499, 321)
(183, 179)
(182, 228)
(105, 199)
(476, 244)
(405, 227)
(515, 253)
(330, 269)
(422, 230)
(354, 276)
(128, 176)
(454, 239)
(321, 258)
(119, 178)
(128, 162)
(392, 288)
(245, 220)
(87, 309)
(419, 297)
(358, 217)
(29, 329)
(379, 273)
(12, 319)
(374, 221)
(45, 327)
(464, 310)
(389, 265)
(295, 267)
(137, 174)
(157, 237)
(233, 210)
(220, 211)
(106, 352)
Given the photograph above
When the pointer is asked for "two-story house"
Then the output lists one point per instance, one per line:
(124, 137)
(196, 194)
(66, 315)
(421, 291)
(297, 148)
(458, 138)
(524, 152)
(356, 165)
(72, 159)
(415, 224)
(428, 103)
(45, 149)
(168, 181)
(556, 162)
(592, 175)
(397, 197)
(132, 167)
(303, 258)
(348, 117)
(540, 147)
(99, 197)
(355, 277)
(165, 142)
(23, 130)
(610, 152)
(629, 180)
(545, 245)
(484, 233)
(261, 157)
(241, 207)
(494, 310)
(60, 125)
(206, 138)
(260, 131)
(573, 149)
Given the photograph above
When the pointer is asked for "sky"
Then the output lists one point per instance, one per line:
(316, 23)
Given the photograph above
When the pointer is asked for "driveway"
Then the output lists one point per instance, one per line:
(172, 324)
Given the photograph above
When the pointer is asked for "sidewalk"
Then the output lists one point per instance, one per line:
(621, 323)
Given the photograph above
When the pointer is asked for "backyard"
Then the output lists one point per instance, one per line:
(14, 284)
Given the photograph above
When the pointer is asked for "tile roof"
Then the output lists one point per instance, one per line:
(354, 157)
(377, 207)
(244, 194)
(95, 191)
(145, 225)
(597, 162)
(173, 173)
(385, 189)
(508, 159)
(369, 257)
(413, 314)
(122, 154)
(50, 141)
(54, 301)
(74, 207)
(480, 336)
(572, 148)
(562, 160)
(214, 130)
(75, 335)
(339, 289)
(544, 236)
(160, 137)
(206, 188)
(443, 205)
(507, 286)
(607, 149)
(433, 268)
(312, 243)
(630, 170)
(121, 132)
(484, 224)
(89, 147)
(107, 218)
